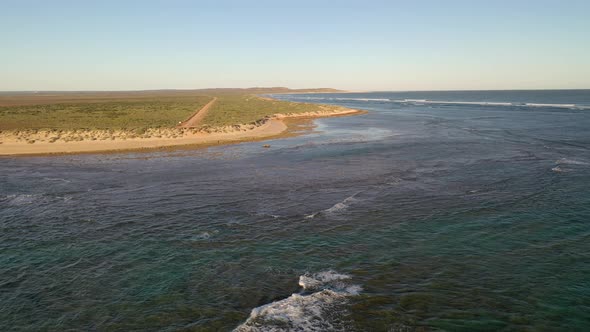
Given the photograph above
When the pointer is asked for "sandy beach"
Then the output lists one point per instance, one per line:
(104, 141)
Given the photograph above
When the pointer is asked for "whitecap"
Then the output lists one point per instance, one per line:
(340, 206)
(205, 235)
(311, 216)
(319, 311)
(321, 279)
(565, 161)
(57, 179)
(449, 102)
(486, 103)
(343, 99)
(551, 105)
(265, 214)
(21, 199)
(334, 209)
(368, 99)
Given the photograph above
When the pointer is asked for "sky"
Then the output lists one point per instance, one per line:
(352, 45)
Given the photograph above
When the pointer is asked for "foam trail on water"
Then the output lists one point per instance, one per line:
(336, 208)
(486, 103)
(340, 206)
(311, 216)
(562, 165)
(317, 308)
(565, 161)
(551, 105)
(57, 179)
(447, 102)
(557, 169)
(20, 199)
(343, 99)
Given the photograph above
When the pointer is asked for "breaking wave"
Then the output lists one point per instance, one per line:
(449, 102)
(336, 208)
(557, 169)
(342, 99)
(205, 235)
(565, 161)
(567, 165)
(318, 307)
(487, 103)
(57, 179)
(29, 199)
(20, 199)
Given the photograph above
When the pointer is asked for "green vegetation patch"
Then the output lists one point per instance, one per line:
(242, 109)
(137, 111)
(111, 114)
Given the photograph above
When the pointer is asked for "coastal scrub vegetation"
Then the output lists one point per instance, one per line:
(241, 109)
(111, 114)
(51, 117)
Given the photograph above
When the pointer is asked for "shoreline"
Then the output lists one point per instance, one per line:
(271, 127)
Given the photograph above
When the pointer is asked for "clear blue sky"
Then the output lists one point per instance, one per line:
(355, 45)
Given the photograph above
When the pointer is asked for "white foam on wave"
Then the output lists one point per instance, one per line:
(295, 313)
(336, 208)
(565, 161)
(487, 103)
(318, 311)
(57, 179)
(360, 99)
(340, 206)
(557, 169)
(311, 215)
(369, 99)
(318, 280)
(21, 199)
(343, 99)
(205, 235)
(550, 105)
(28, 199)
(426, 101)
(449, 102)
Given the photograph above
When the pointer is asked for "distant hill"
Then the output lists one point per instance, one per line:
(254, 90)
(177, 91)
(16, 98)
(287, 90)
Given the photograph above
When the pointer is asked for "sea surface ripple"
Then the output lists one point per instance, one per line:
(466, 213)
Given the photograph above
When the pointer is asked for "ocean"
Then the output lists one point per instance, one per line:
(434, 211)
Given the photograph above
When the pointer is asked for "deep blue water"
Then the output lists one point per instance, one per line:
(456, 211)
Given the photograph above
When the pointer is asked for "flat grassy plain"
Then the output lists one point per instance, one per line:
(242, 109)
(142, 109)
(106, 114)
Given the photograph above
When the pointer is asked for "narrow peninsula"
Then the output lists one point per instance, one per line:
(87, 122)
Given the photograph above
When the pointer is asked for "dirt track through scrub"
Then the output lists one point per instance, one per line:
(196, 119)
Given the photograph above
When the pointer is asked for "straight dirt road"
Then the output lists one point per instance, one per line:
(196, 119)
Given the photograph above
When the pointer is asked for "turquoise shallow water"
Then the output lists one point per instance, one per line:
(458, 211)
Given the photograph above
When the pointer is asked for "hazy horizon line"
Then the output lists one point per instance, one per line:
(281, 87)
